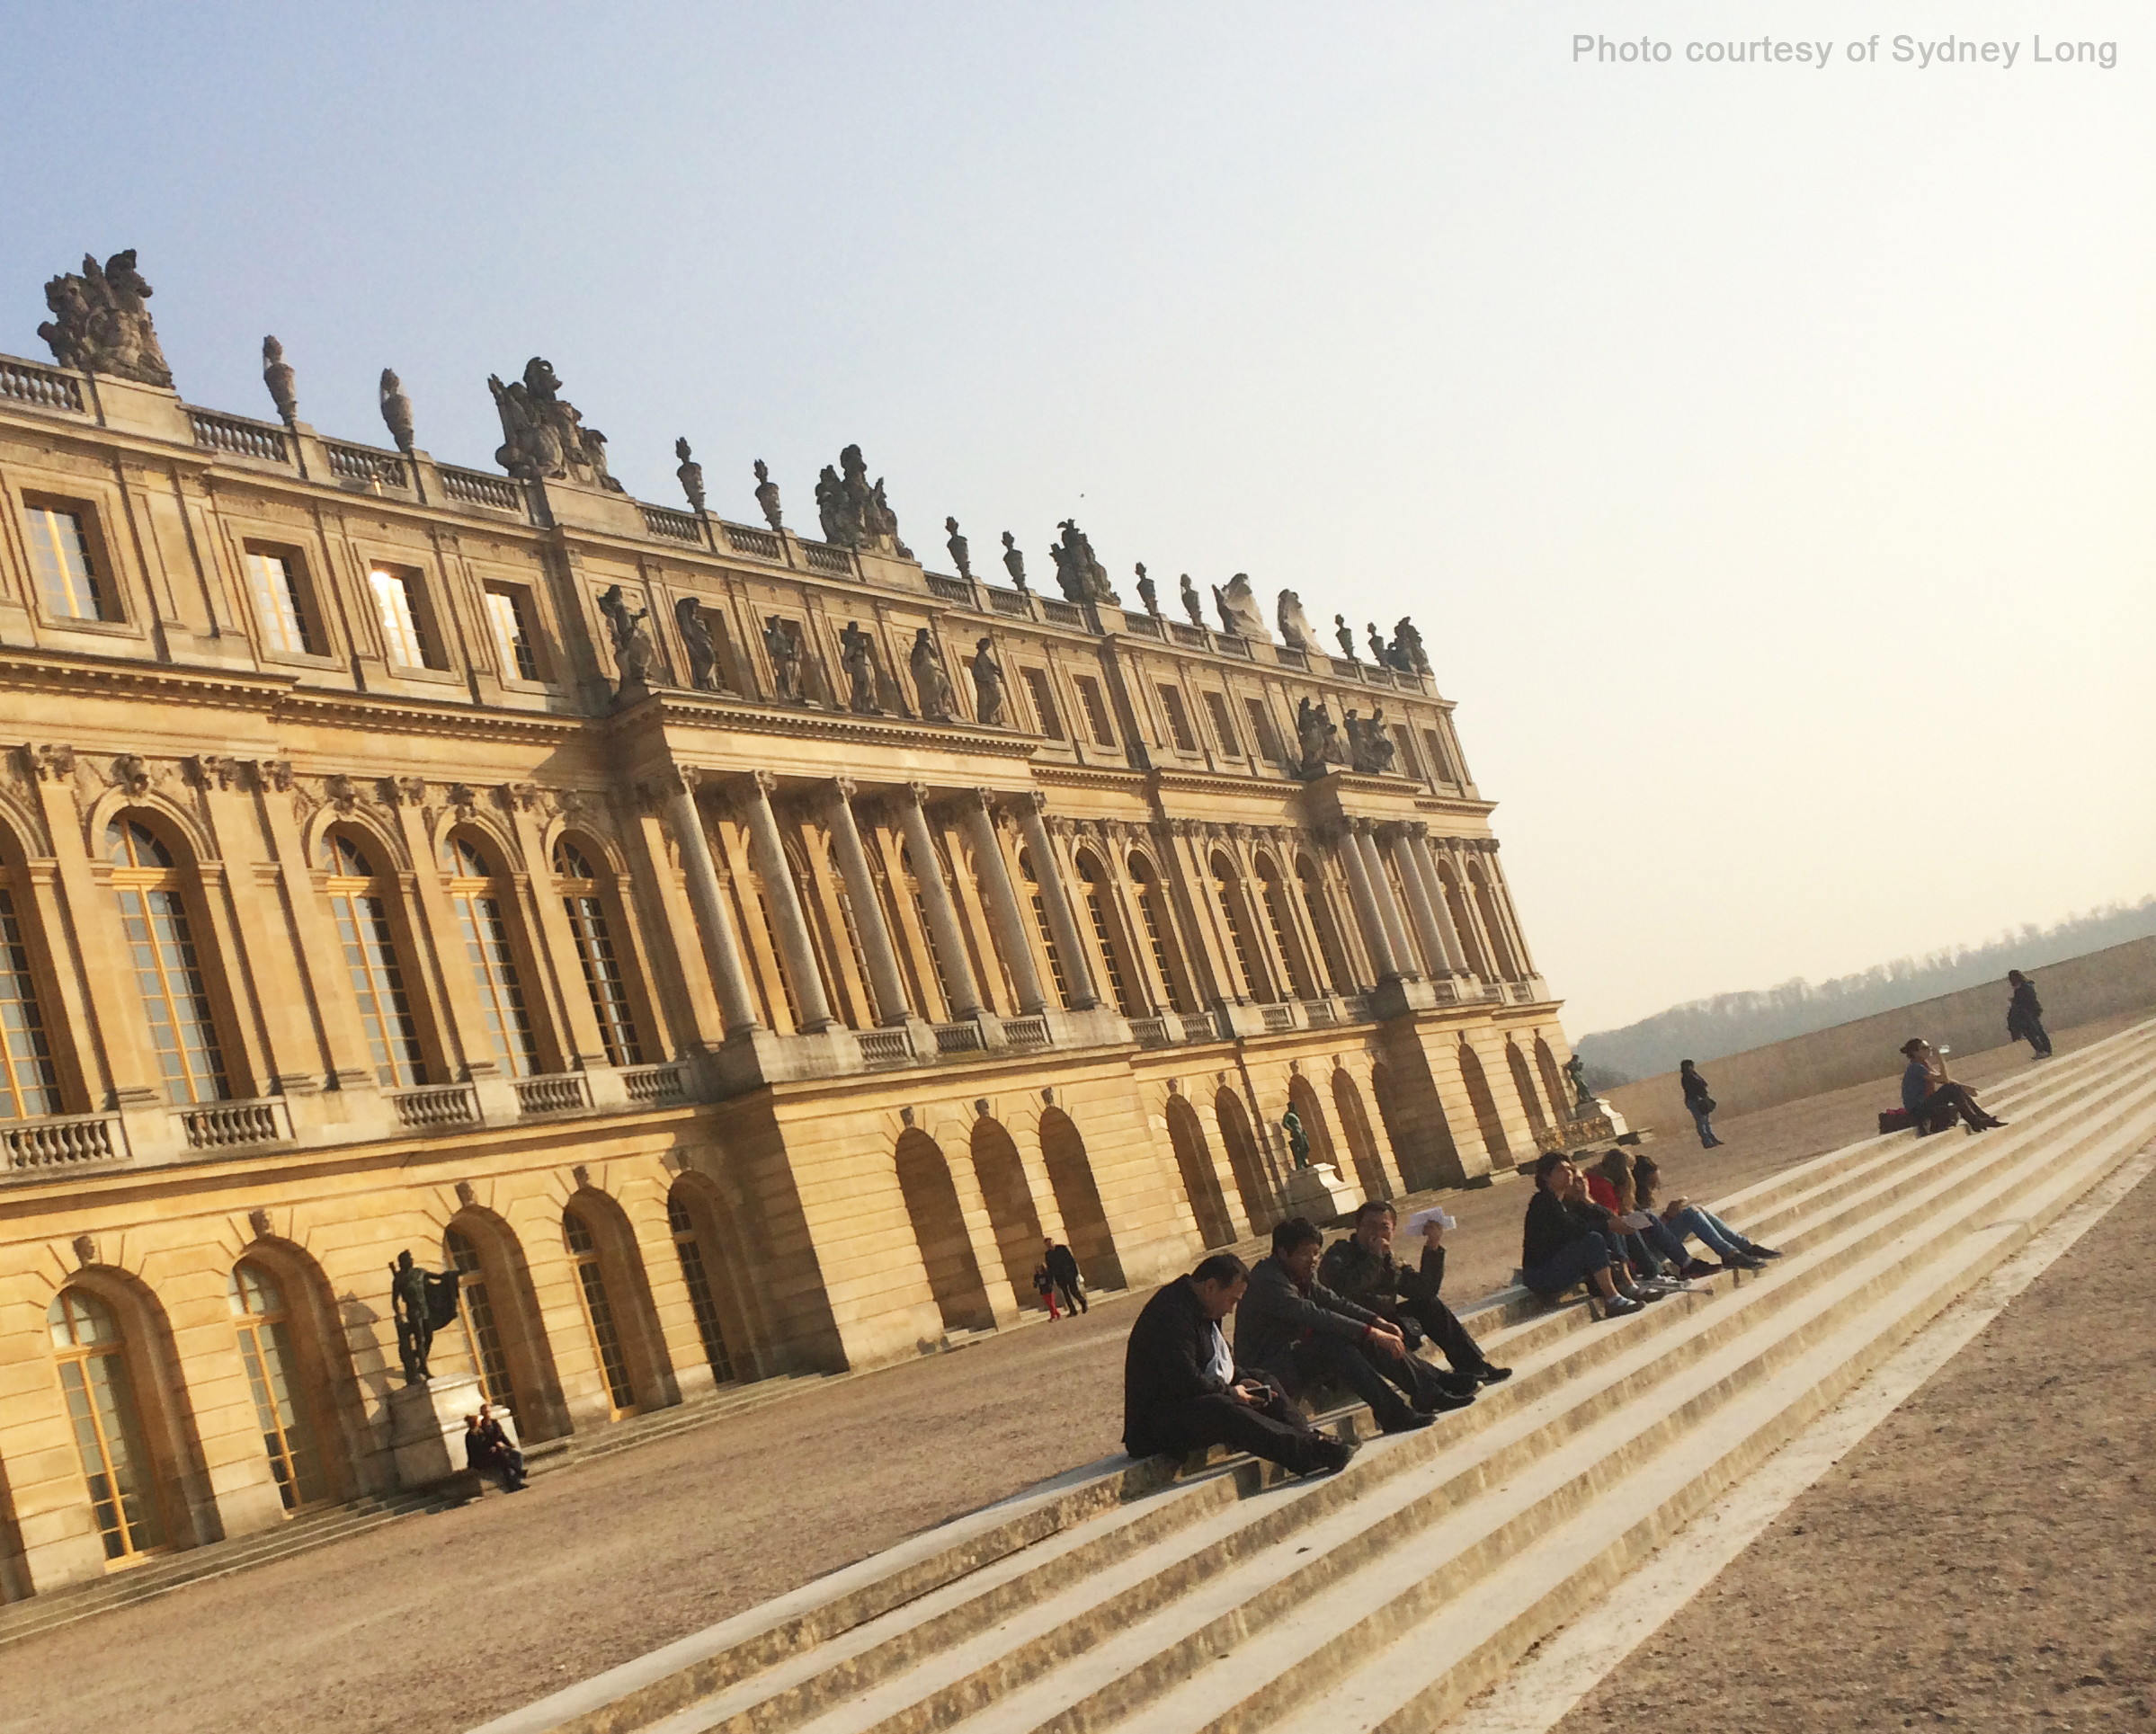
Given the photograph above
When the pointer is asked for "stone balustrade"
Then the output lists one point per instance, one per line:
(62, 1142)
(229, 1126)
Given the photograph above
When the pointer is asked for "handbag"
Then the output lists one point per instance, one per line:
(1706, 1105)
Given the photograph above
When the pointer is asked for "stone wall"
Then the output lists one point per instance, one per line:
(2100, 984)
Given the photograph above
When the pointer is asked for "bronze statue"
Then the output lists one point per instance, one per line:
(1148, 593)
(785, 652)
(422, 1301)
(960, 550)
(932, 685)
(396, 412)
(857, 656)
(1191, 605)
(1584, 1102)
(1298, 1140)
(542, 434)
(277, 374)
(634, 653)
(767, 497)
(101, 325)
(691, 475)
(696, 637)
(987, 684)
(1014, 563)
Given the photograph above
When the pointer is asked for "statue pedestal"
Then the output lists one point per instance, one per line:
(1320, 1194)
(426, 1427)
(1597, 1108)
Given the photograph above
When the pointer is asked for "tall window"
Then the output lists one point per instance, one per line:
(482, 1335)
(697, 1281)
(275, 588)
(1403, 738)
(928, 930)
(68, 575)
(1440, 761)
(1179, 720)
(1096, 709)
(168, 974)
(360, 904)
(579, 887)
(108, 1426)
(281, 1405)
(1262, 729)
(1155, 918)
(1276, 918)
(1320, 919)
(1096, 912)
(508, 614)
(477, 896)
(598, 1313)
(1044, 702)
(29, 1086)
(404, 633)
(1226, 890)
(1047, 933)
(1224, 731)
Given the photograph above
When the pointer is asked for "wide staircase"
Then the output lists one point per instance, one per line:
(1228, 1598)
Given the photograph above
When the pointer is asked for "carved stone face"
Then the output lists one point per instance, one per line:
(539, 375)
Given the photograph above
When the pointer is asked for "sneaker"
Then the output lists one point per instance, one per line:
(1700, 1268)
(1491, 1375)
(1443, 1400)
(1618, 1307)
(1639, 1296)
(1743, 1261)
(1760, 1251)
(1407, 1420)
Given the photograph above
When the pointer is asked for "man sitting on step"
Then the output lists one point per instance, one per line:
(1184, 1391)
(487, 1450)
(1293, 1327)
(1362, 1268)
(1933, 1099)
(1562, 1245)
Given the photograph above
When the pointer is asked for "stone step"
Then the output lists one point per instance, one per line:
(1104, 1614)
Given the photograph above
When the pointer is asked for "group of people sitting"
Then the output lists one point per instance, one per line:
(1600, 1227)
(1309, 1318)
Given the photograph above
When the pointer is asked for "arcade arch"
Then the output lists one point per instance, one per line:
(931, 1201)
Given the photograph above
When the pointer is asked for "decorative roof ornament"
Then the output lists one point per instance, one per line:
(278, 376)
(543, 436)
(101, 325)
(396, 412)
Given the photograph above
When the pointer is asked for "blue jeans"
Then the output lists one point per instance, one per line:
(1718, 1236)
(1570, 1264)
(1706, 1122)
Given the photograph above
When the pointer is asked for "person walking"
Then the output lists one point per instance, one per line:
(1699, 1102)
(1044, 1286)
(2024, 1015)
(1062, 1270)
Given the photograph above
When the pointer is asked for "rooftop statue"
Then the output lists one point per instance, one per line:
(691, 476)
(1191, 605)
(696, 637)
(1345, 633)
(961, 550)
(277, 374)
(1378, 653)
(932, 684)
(987, 684)
(1148, 593)
(633, 650)
(1014, 563)
(542, 435)
(1240, 616)
(767, 496)
(1082, 577)
(99, 323)
(396, 412)
(1294, 630)
(854, 513)
(1316, 738)
(1405, 652)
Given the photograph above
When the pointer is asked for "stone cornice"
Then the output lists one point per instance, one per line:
(688, 710)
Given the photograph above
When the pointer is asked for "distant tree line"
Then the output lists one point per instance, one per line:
(1729, 1023)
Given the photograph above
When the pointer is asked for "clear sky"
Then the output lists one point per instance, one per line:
(1765, 450)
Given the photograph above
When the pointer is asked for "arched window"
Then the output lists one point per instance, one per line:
(1047, 933)
(1230, 893)
(482, 1334)
(872, 1013)
(1319, 908)
(928, 930)
(30, 1084)
(478, 896)
(1285, 941)
(108, 1426)
(283, 1408)
(698, 1280)
(598, 1313)
(1153, 913)
(168, 972)
(581, 898)
(1104, 933)
(359, 902)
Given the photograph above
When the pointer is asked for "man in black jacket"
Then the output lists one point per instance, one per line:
(2024, 1015)
(1182, 1390)
(1063, 1271)
(1363, 1268)
(1293, 1327)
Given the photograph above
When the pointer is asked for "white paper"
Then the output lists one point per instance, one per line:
(1436, 1213)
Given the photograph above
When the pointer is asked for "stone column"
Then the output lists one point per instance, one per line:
(1003, 899)
(1419, 852)
(1077, 967)
(1418, 901)
(867, 908)
(942, 918)
(1381, 894)
(736, 1003)
(1374, 939)
(769, 853)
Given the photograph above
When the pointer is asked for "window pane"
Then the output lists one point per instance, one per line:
(400, 625)
(513, 636)
(501, 992)
(175, 1000)
(60, 548)
(379, 985)
(602, 975)
(30, 1085)
(276, 594)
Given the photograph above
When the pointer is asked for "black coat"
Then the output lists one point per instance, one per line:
(1164, 1365)
(1062, 1264)
(2025, 1010)
(1275, 1315)
(1552, 1225)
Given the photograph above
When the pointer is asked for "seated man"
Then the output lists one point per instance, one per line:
(487, 1450)
(1295, 1328)
(1562, 1244)
(1934, 1100)
(1183, 1390)
(1363, 1268)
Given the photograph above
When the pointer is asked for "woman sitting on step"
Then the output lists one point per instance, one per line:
(1562, 1244)
(1654, 1251)
(1682, 1217)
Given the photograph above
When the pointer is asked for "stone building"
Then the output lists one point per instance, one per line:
(732, 951)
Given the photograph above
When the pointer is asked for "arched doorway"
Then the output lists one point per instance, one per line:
(1524, 1082)
(931, 1201)
(1485, 1105)
(1553, 1081)
(1078, 1198)
(1354, 1127)
(499, 1316)
(1010, 1213)
(618, 1306)
(299, 1380)
(1259, 1208)
(1201, 1183)
(696, 1219)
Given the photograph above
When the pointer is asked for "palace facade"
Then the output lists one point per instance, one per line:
(732, 951)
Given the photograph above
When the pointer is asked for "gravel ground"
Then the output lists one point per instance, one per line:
(436, 1623)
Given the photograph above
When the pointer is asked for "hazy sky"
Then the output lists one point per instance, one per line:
(1765, 450)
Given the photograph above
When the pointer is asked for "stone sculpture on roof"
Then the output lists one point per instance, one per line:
(1405, 652)
(543, 436)
(767, 496)
(855, 515)
(1294, 630)
(1014, 562)
(1149, 592)
(99, 323)
(1191, 605)
(987, 684)
(278, 376)
(396, 412)
(691, 476)
(961, 550)
(1240, 615)
(1081, 576)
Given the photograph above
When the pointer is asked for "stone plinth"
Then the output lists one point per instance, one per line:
(1319, 1193)
(426, 1427)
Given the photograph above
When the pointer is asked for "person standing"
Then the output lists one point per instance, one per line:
(1044, 1286)
(2024, 1015)
(1699, 1102)
(1063, 1271)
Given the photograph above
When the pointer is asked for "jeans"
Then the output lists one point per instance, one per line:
(1659, 1241)
(1568, 1265)
(1716, 1235)
(1706, 1122)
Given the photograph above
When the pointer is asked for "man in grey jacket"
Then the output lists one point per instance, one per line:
(1293, 1327)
